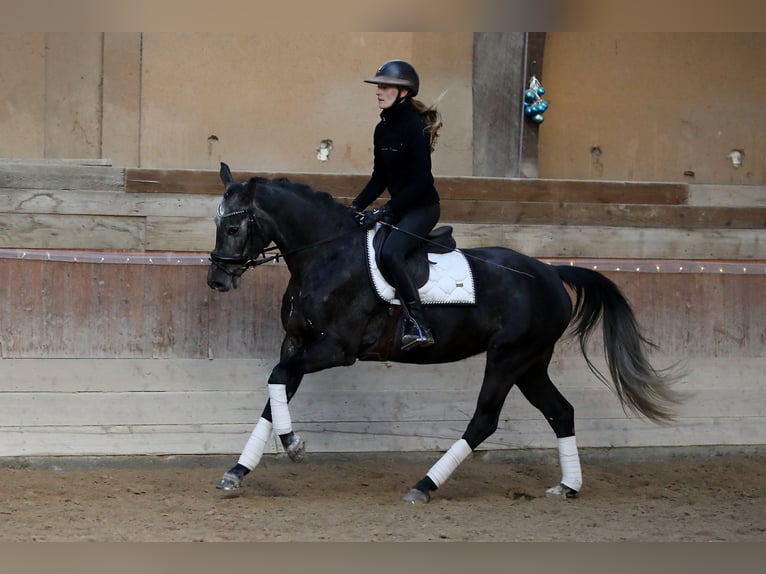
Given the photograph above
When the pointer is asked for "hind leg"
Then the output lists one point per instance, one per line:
(540, 391)
(498, 380)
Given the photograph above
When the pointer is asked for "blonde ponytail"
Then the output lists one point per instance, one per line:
(432, 117)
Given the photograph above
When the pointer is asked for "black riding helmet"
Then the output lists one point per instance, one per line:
(397, 73)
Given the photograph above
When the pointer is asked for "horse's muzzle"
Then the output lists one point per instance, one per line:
(219, 279)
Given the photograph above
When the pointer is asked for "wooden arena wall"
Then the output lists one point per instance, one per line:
(112, 343)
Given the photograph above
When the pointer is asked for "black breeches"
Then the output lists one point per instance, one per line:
(411, 229)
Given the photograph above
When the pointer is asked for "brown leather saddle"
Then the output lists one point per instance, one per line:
(439, 240)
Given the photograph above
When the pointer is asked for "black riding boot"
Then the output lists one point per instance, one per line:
(415, 332)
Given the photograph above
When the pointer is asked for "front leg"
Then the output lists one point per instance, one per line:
(321, 353)
(256, 445)
(294, 445)
(251, 455)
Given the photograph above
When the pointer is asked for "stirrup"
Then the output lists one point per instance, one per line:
(416, 336)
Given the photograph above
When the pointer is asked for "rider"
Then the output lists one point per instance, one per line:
(403, 141)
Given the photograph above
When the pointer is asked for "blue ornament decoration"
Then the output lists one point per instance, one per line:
(534, 105)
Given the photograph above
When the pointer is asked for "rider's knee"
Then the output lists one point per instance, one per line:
(391, 259)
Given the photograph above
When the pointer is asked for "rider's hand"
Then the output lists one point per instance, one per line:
(372, 216)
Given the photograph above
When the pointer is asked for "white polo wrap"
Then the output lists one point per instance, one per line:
(449, 461)
(570, 463)
(256, 444)
(280, 415)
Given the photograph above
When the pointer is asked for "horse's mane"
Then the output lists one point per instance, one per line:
(324, 198)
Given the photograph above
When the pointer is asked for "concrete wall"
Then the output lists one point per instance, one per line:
(261, 101)
(655, 107)
(641, 106)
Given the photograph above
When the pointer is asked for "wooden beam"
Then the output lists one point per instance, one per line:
(61, 175)
(141, 180)
(498, 81)
(530, 131)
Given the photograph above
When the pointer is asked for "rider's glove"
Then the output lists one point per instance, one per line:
(372, 216)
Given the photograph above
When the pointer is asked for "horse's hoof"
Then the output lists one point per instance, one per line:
(415, 496)
(561, 491)
(296, 449)
(229, 482)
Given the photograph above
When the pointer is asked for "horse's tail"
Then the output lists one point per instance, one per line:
(640, 387)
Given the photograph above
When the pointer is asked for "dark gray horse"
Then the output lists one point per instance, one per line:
(332, 317)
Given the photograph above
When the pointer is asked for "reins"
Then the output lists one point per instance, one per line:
(262, 257)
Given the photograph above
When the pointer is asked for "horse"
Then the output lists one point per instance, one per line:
(332, 317)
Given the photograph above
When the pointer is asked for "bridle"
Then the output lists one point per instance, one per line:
(243, 261)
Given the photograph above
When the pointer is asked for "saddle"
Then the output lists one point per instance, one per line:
(438, 241)
(441, 272)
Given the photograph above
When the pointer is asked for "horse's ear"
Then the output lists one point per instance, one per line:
(226, 176)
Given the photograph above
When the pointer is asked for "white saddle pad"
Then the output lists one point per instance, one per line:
(450, 279)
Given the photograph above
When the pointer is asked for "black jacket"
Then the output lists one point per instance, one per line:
(402, 161)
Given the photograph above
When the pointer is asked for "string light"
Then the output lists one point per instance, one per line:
(201, 259)
(664, 265)
(107, 257)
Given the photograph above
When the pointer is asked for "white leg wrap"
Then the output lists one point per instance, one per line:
(280, 415)
(256, 444)
(449, 461)
(570, 463)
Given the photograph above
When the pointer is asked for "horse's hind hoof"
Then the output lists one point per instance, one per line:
(229, 483)
(415, 496)
(561, 491)
(296, 449)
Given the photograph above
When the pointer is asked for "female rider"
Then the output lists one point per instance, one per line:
(403, 141)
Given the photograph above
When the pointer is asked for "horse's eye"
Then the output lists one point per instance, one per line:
(233, 230)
